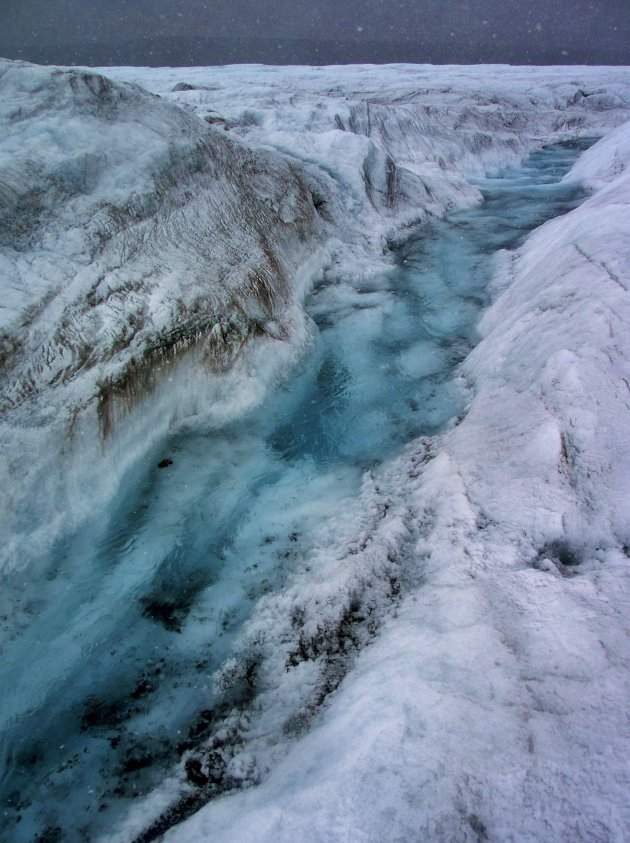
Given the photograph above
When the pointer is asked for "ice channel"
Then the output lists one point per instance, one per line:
(108, 653)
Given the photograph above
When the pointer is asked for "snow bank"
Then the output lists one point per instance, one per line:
(604, 162)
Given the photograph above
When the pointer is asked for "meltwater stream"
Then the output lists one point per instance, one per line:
(108, 655)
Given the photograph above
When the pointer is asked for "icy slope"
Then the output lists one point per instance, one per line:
(493, 706)
(99, 176)
(134, 239)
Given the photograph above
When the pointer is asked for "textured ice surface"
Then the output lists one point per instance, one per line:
(141, 609)
(148, 246)
(486, 565)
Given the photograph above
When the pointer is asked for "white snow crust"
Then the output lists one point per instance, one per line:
(492, 703)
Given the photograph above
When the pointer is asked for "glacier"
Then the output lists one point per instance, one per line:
(442, 652)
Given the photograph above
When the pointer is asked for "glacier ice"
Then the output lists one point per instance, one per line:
(490, 701)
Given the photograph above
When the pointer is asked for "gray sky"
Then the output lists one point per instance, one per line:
(590, 31)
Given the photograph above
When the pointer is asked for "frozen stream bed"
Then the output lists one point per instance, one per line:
(111, 653)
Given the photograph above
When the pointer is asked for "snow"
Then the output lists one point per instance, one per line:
(490, 700)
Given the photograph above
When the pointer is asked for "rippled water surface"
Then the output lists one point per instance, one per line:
(108, 654)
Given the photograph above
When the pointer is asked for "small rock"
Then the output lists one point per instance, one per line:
(195, 773)
(165, 463)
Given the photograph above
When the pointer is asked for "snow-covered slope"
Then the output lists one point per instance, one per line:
(153, 264)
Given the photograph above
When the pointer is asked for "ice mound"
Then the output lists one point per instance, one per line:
(135, 242)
